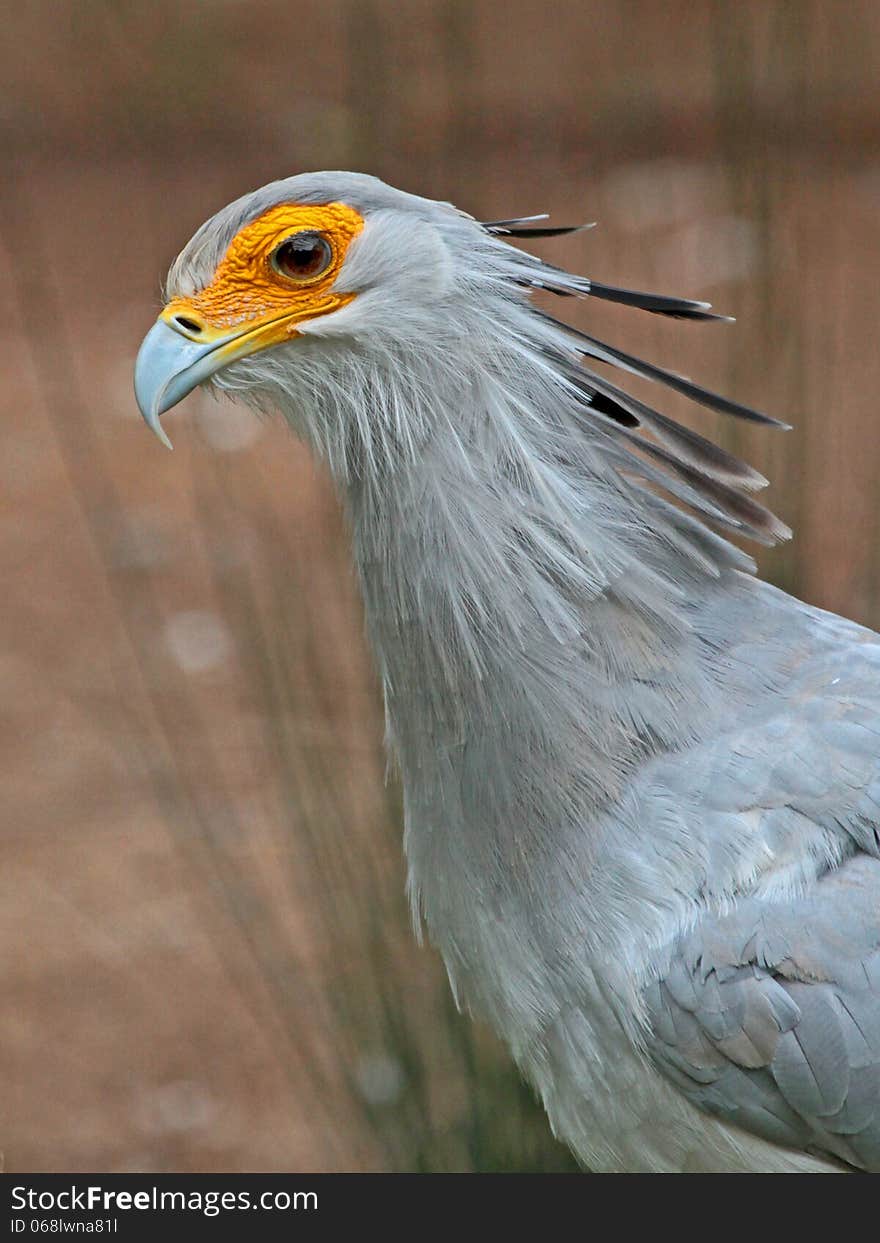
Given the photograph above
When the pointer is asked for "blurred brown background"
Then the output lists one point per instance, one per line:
(206, 956)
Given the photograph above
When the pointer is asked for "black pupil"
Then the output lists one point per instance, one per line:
(306, 254)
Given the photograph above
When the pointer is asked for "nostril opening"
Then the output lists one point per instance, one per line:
(189, 325)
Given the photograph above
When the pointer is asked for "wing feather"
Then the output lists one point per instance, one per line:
(769, 1017)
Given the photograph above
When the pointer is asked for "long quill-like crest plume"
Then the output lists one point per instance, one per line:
(708, 478)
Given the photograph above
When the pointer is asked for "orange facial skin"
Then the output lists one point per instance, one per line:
(248, 294)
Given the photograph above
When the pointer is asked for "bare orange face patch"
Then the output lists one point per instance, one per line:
(254, 292)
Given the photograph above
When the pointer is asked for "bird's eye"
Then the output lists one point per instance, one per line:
(303, 256)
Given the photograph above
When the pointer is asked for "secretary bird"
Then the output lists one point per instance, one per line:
(642, 787)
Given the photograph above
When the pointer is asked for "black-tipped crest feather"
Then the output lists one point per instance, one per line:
(522, 226)
(695, 471)
(602, 352)
(658, 304)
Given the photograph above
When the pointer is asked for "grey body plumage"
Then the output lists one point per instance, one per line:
(642, 788)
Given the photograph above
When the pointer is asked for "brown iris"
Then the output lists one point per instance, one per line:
(303, 256)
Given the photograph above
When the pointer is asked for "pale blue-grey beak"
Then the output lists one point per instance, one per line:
(170, 365)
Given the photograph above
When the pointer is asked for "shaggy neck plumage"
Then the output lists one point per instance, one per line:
(517, 587)
(532, 614)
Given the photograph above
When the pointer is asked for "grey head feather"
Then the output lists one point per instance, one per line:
(196, 263)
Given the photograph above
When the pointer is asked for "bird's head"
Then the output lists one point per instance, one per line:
(282, 288)
(379, 322)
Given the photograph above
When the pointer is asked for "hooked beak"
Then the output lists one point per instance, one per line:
(168, 367)
(172, 360)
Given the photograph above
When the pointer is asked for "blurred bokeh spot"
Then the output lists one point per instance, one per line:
(206, 953)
